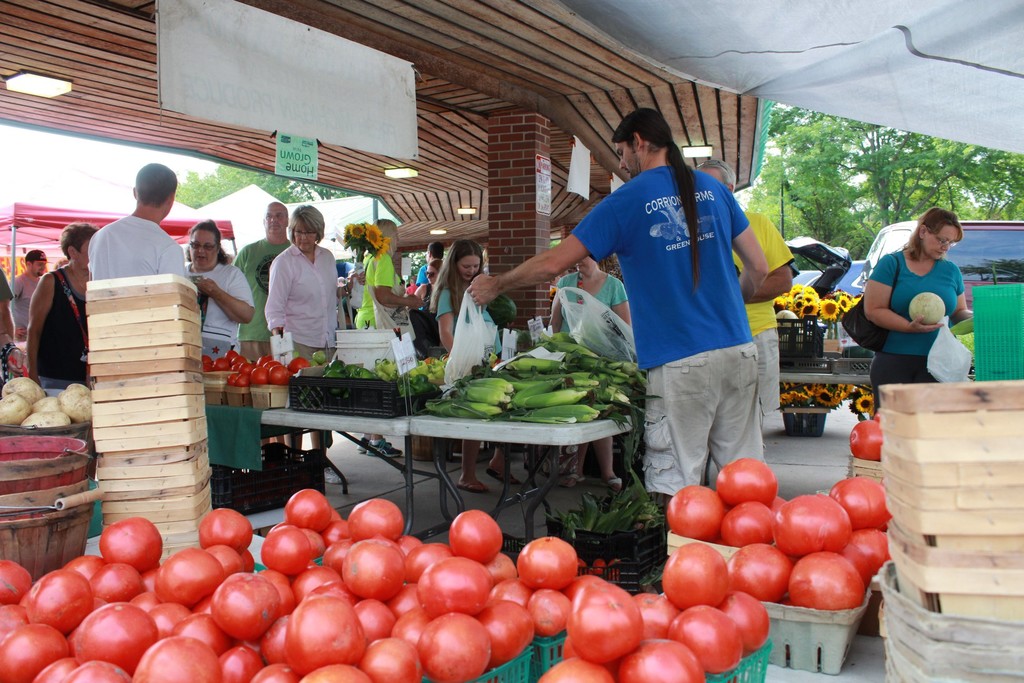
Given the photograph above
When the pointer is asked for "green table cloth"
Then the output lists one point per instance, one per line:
(234, 435)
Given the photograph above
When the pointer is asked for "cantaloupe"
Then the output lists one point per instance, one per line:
(928, 306)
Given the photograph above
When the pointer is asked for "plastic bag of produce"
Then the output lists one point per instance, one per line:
(474, 341)
(948, 359)
(594, 325)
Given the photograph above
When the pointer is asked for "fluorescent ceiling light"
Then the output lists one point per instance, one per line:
(34, 84)
(466, 210)
(700, 151)
(438, 231)
(401, 172)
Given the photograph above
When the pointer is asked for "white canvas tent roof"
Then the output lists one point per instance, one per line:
(947, 68)
(245, 209)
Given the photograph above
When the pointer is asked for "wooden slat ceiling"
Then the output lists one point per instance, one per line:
(474, 58)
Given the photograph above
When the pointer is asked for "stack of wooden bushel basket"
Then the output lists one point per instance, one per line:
(149, 420)
(954, 479)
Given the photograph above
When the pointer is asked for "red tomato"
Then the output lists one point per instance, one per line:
(98, 672)
(475, 534)
(695, 512)
(86, 565)
(279, 375)
(188, 576)
(60, 599)
(135, 541)
(287, 550)
(29, 649)
(335, 531)
(657, 612)
(604, 624)
(259, 375)
(221, 364)
(273, 643)
(298, 363)
(284, 590)
(547, 562)
(240, 664)
(418, 559)
(248, 561)
(751, 618)
(337, 673)
(207, 359)
(11, 617)
(322, 631)
(711, 635)
(406, 543)
(55, 673)
(582, 582)
(375, 618)
(167, 615)
(746, 479)
(335, 589)
(866, 440)
(246, 369)
(761, 570)
(867, 550)
(178, 660)
(309, 509)
(276, 673)
(376, 517)
(510, 628)
(748, 522)
(334, 555)
(864, 501)
(317, 547)
(374, 570)
(15, 582)
(454, 647)
(245, 605)
(311, 579)
(407, 598)
(228, 557)
(146, 601)
(808, 524)
(410, 625)
(512, 590)
(204, 628)
(392, 660)
(263, 360)
(549, 610)
(116, 582)
(233, 355)
(825, 580)
(455, 584)
(118, 633)
(576, 670)
(661, 661)
(240, 380)
(695, 574)
(501, 567)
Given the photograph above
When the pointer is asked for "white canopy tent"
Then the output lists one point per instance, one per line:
(946, 68)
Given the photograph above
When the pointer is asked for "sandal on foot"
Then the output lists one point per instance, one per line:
(495, 474)
(570, 480)
(615, 484)
(473, 487)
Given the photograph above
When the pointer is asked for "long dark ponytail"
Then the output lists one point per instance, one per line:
(650, 125)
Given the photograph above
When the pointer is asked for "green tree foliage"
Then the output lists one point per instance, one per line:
(840, 181)
(199, 190)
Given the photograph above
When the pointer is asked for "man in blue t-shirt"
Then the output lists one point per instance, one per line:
(674, 231)
(435, 250)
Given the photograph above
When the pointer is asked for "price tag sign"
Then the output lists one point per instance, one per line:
(405, 354)
(282, 347)
(508, 344)
(536, 327)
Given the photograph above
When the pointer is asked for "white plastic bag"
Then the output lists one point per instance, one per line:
(596, 326)
(948, 359)
(474, 341)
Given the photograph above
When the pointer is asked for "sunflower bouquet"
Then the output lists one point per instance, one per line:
(862, 402)
(363, 238)
(805, 302)
(828, 396)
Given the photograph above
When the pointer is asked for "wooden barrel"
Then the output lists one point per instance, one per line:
(33, 463)
(46, 541)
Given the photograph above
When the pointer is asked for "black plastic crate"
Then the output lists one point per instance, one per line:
(625, 558)
(285, 471)
(804, 424)
(852, 366)
(811, 365)
(801, 338)
(362, 397)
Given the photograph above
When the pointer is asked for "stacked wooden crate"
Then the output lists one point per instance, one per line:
(149, 421)
(954, 479)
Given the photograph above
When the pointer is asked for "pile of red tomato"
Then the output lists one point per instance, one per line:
(813, 551)
(244, 372)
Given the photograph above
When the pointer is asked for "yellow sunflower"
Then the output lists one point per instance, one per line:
(865, 404)
(808, 310)
(829, 310)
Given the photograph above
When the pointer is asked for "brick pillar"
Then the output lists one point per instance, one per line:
(517, 231)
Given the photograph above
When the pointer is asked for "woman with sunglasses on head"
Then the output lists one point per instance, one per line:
(921, 266)
(225, 299)
(425, 291)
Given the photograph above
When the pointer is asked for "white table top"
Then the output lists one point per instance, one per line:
(514, 432)
(284, 417)
(822, 378)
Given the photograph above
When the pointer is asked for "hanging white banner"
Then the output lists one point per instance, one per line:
(224, 61)
(579, 169)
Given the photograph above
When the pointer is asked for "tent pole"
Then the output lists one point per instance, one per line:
(14, 250)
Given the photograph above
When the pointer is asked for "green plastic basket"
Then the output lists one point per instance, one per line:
(999, 332)
(547, 651)
(752, 669)
(515, 671)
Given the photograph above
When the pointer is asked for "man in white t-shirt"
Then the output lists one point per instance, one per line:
(136, 245)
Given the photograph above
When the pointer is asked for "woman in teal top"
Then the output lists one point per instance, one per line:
(461, 264)
(920, 267)
(609, 290)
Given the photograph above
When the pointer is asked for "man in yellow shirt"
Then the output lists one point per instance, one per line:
(760, 310)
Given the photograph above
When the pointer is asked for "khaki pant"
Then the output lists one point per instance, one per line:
(254, 350)
(767, 343)
(707, 406)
